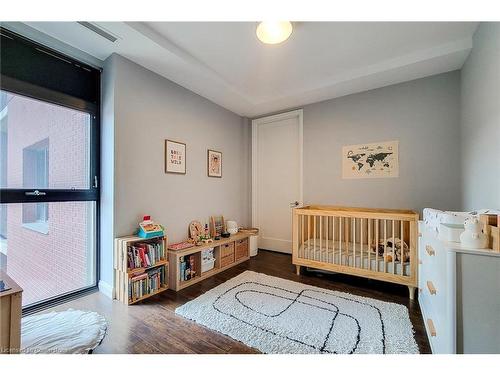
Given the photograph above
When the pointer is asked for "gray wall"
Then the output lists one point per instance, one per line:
(149, 109)
(423, 115)
(481, 120)
(107, 176)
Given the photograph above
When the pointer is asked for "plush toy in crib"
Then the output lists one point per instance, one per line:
(392, 251)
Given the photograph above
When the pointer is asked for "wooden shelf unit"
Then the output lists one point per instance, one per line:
(123, 274)
(239, 243)
(10, 316)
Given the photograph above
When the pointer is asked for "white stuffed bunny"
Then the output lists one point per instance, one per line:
(473, 235)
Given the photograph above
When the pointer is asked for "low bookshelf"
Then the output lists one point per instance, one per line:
(141, 268)
(228, 252)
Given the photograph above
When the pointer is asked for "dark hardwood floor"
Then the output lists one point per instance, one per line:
(153, 327)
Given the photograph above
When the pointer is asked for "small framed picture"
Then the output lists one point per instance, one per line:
(175, 157)
(214, 163)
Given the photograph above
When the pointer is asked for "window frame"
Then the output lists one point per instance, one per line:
(16, 195)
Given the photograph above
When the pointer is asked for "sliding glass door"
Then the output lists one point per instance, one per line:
(48, 190)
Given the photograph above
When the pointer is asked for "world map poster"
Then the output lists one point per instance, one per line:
(371, 160)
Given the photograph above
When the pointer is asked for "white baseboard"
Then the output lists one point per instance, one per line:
(106, 289)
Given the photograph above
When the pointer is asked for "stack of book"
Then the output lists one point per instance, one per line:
(147, 283)
(145, 254)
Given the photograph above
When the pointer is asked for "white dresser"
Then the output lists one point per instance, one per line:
(459, 295)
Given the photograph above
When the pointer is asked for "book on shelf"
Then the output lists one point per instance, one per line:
(147, 283)
(145, 254)
(187, 267)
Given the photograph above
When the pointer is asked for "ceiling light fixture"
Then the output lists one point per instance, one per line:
(274, 32)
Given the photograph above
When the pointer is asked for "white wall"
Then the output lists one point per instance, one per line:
(481, 120)
(423, 114)
(147, 110)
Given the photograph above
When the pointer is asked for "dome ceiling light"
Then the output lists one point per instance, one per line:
(274, 32)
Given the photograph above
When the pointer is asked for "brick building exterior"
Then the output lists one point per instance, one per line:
(49, 246)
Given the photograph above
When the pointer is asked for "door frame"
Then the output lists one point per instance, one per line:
(299, 113)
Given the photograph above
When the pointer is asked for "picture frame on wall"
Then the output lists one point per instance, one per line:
(214, 163)
(175, 157)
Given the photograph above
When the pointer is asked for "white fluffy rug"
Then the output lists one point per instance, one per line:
(68, 332)
(275, 315)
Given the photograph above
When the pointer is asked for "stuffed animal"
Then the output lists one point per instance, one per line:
(392, 252)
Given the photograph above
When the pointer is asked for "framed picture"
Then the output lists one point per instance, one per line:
(175, 157)
(216, 226)
(214, 163)
(371, 160)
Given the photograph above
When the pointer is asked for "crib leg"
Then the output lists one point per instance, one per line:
(297, 269)
(412, 292)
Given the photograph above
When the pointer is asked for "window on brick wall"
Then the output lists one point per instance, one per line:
(49, 169)
(36, 175)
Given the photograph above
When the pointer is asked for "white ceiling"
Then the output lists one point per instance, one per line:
(225, 62)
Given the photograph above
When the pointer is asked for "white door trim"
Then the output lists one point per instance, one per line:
(265, 120)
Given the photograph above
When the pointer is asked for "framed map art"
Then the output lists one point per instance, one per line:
(175, 157)
(371, 160)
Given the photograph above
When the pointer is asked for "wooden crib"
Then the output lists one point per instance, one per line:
(358, 241)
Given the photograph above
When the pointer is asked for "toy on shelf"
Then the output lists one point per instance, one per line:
(148, 229)
(181, 245)
(232, 227)
(198, 234)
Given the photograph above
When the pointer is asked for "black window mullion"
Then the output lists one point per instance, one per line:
(47, 195)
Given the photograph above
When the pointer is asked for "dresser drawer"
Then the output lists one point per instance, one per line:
(241, 249)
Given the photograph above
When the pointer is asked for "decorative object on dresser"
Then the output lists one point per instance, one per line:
(217, 226)
(140, 268)
(214, 163)
(175, 157)
(232, 227)
(473, 235)
(458, 293)
(226, 253)
(10, 315)
(379, 244)
(281, 316)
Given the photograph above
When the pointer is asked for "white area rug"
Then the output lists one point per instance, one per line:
(275, 315)
(68, 332)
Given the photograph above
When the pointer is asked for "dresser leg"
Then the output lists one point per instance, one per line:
(412, 292)
(297, 269)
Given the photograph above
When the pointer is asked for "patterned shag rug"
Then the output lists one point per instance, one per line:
(275, 315)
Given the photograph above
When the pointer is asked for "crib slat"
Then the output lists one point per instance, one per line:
(309, 236)
(314, 238)
(320, 238)
(377, 225)
(353, 242)
(401, 235)
(393, 250)
(333, 239)
(385, 245)
(341, 221)
(302, 235)
(326, 235)
(362, 240)
(369, 241)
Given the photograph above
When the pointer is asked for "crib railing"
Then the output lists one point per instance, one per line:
(375, 243)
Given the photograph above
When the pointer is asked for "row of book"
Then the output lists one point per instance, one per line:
(145, 254)
(147, 283)
(187, 267)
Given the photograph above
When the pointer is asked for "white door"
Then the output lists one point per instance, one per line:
(276, 177)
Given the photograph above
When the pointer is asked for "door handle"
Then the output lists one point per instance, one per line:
(35, 192)
(294, 204)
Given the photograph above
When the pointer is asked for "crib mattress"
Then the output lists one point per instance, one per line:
(311, 252)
